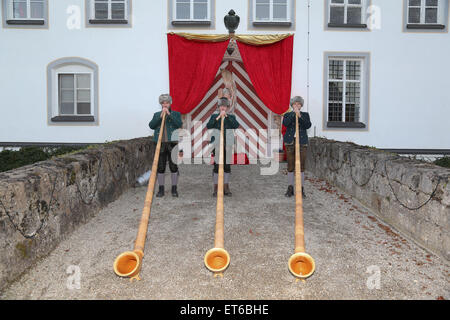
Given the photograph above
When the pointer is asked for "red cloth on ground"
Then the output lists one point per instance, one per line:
(283, 131)
(238, 158)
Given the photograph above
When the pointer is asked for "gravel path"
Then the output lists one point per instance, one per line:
(357, 255)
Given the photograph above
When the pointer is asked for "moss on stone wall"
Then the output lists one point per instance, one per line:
(28, 155)
(443, 162)
(24, 248)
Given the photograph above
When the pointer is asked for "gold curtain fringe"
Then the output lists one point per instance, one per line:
(287, 111)
(252, 39)
(262, 39)
(203, 37)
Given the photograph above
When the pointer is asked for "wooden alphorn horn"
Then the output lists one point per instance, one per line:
(301, 264)
(129, 263)
(217, 259)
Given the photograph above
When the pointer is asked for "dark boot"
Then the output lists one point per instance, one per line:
(303, 192)
(215, 191)
(174, 191)
(290, 191)
(226, 190)
(160, 192)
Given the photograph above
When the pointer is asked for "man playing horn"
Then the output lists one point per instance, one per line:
(289, 141)
(168, 143)
(230, 123)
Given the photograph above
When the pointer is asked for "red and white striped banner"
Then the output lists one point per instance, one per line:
(250, 112)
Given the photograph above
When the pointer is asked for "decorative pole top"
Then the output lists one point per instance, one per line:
(231, 21)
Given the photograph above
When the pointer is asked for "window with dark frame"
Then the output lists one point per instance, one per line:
(26, 12)
(344, 91)
(346, 13)
(425, 14)
(109, 12)
(191, 11)
(74, 94)
(271, 10)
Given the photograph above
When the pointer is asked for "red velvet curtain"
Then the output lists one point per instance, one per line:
(192, 68)
(270, 70)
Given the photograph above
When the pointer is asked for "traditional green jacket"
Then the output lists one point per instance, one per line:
(304, 123)
(229, 122)
(173, 122)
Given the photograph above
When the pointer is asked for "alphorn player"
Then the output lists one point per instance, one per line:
(168, 143)
(289, 141)
(230, 123)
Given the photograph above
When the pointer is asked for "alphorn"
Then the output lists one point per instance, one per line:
(129, 263)
(301, 264)
(217, 259)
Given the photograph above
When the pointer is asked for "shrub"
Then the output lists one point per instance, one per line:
(28, 155)
(443, 162)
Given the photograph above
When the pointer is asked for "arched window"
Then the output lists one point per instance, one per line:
(72, 91)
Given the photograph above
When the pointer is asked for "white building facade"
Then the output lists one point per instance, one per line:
(374, 72)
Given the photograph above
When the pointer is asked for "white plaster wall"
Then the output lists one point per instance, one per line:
(132, 66)
(409, 86)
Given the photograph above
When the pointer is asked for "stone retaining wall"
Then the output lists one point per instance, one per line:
(412, 196)
(40, 204)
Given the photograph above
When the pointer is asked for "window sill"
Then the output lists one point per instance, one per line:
(347, 25)
(425, 26)
(190, 23)
(272, 23)
(338, 124)
(26, 22)
(73, 119)
(108, 21)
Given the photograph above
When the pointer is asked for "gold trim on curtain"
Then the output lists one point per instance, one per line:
(261, 39)
(252, 39)
(287, 111)
(202, 37)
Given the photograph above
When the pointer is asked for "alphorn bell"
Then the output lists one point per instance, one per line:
(129, 263)
(217, 259)
(301, 264)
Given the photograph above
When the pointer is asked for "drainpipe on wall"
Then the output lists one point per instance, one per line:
(308, 61)
(307, 68)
